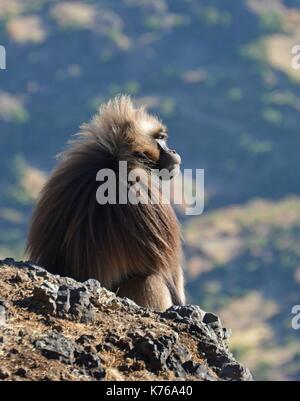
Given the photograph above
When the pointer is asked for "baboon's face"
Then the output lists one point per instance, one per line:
(157, 151)
(169, 159)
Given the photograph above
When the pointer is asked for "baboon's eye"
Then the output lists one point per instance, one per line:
(160, 136)
(162, 143)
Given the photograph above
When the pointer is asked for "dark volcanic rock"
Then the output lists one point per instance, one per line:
(47, 295)
(198, 370)
(66, 301)
(80, 305)
(66, 330)
(184, 314)
(56, 346)
(234, 371)
(4, 374)
(154, 351)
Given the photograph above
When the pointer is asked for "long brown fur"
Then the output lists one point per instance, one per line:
(131, 249)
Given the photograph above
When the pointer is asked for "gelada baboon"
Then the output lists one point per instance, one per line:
(132, 249)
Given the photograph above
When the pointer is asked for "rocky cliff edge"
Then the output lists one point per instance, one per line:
(55, 328)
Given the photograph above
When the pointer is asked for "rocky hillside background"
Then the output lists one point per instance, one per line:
(219, 73)
(54, 328)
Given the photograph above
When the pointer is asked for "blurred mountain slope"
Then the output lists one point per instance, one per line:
(246, 267)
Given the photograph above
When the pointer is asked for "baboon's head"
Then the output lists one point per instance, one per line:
(156, 152)
(132, 134)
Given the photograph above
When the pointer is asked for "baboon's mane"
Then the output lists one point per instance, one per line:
(71, 234)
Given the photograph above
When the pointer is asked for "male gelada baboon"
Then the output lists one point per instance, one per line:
(132, 249)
